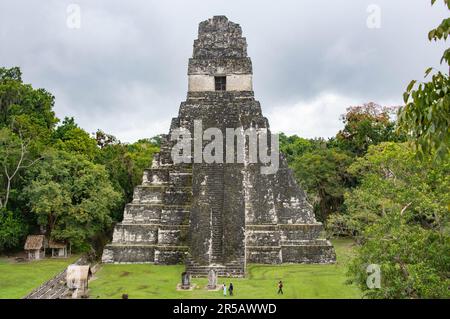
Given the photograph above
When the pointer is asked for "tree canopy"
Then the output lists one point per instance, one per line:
(71, 196)
(426, 114)
(59, 176)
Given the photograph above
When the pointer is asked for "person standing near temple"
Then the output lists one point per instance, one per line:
(280, 287)
(224, 290)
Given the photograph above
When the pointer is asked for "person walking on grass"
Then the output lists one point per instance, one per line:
(230, 289)
(224, 290)
(280, 287)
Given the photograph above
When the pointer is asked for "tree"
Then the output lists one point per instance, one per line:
(66, 156)
(400, 213)
(323, 173)
(103, 139)
(22, 104)
(414, 261)
(293, 146)
(74, 139)
(426, 114)
(12, 229)
(14, 157)
(67, 125)
(369, 124)
(27, 121)
(71, 197)
(390, 179)
(157, 140)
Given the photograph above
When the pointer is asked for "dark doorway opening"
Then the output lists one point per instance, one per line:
(220, 83)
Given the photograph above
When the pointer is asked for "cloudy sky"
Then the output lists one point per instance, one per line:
(124, 69)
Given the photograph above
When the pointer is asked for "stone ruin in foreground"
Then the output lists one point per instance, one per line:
(218, 216)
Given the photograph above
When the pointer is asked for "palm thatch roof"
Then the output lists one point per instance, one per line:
(34, 242)
(54, 244)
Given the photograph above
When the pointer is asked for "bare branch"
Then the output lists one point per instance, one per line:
(6, 170)
(23, 151)
(33, 162)
(22, 154)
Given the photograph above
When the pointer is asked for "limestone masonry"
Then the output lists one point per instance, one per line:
(218, 216)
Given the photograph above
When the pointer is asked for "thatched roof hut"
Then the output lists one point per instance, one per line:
(59, 249)
(55, 244)
(34, 242)
(35, 246)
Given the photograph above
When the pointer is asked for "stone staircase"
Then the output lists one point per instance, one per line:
(232, 269)
(54, 288)
(216, 236)
(156, 222)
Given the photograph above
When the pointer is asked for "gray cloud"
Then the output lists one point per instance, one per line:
(124, 70)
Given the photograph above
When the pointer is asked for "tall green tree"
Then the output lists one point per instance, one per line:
(294, 146)
(71, 138)
(400, 214)
(413, 260)
(27, 121)
(13, 229)
(392, 180)
(426, 114)
(323, 173)
(369, 124)
(14, 158)
(72, 197)
(24, 107)
(52, 170)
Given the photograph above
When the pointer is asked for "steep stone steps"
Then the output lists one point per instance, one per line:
(227, 270)
(155, 223)
(216, 236)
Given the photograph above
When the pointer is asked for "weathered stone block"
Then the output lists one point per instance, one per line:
(313, 252)
(128, 253)
(135, 233)
(155, 177)
(295, 232)
(264, 255)
(142, 213)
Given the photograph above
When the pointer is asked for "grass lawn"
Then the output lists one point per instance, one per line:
(300, 281)
(19, 279)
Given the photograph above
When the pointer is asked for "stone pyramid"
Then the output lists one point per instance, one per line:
(220, 215)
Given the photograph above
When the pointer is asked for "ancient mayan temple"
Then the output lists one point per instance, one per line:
(218, 216)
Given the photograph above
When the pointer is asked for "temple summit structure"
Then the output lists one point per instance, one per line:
(218, 216)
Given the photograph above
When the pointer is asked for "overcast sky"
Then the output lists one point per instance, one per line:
(125, 69)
